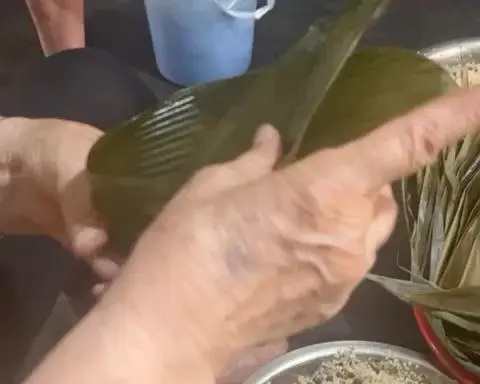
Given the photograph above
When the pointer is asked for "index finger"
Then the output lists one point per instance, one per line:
(406, 144)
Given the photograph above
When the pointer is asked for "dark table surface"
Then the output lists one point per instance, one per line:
(371, 314)
(119, 26)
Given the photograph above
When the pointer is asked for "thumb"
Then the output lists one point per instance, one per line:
(72, 143)
(83, 227)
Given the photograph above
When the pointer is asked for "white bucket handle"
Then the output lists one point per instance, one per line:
(257, 14)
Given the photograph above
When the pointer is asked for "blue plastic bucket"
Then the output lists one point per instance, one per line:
(198, 41)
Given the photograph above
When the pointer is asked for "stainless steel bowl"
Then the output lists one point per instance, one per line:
(454, 52)
(305, 361)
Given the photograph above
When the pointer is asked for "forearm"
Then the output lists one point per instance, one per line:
(59, 23)
(109, 347)
(133, 336)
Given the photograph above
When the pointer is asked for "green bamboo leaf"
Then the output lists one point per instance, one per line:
(316, 101)
(459, 306)
(467, 342)
(465, 355)
(421, 205)
(437, 260)
(465, 346)
(464, 301)
(438, 326)
(464, 322)
(212, 123)
(370, 90)
(463, 264)
(289, 94)
(402, 289)
(460, 265)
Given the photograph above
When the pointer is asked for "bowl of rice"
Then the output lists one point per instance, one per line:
(350, 362)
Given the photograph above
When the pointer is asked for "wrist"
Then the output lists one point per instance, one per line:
(168, 303)
(159, 343)
(112, 346)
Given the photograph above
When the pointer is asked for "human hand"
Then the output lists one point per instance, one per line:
(207, 184)
(254, 255)
(44, 188)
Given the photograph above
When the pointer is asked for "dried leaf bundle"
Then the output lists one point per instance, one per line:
(442, 207)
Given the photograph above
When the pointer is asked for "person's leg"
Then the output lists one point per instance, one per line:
(81, 85)
(60, 24)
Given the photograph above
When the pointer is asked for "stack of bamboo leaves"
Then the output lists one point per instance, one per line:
(442, 208)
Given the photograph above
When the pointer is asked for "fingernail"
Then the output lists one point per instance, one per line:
(106, 269)
(98, 290)
(89, 240)
(5, 178)
(264, 134)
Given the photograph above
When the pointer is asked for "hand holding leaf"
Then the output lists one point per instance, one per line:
(274, 252)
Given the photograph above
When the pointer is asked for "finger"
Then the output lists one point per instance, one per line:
(403, 145)
(383, 223)
(86, 233)
(261, 158)
(250, 166)
(98, 290)
(105, 268)
(38, 214)
(257, 162)
(61, 171)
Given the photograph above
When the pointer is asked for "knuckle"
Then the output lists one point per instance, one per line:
(255, 162)
(266, 159)
(422, 143)
(349, 274)
(208, 173)
(258, 166)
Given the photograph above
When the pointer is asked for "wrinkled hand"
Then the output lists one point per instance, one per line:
(45, 188)
(252, 255)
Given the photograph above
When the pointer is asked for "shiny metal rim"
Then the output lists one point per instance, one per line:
(451, 52)
(321, 351)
